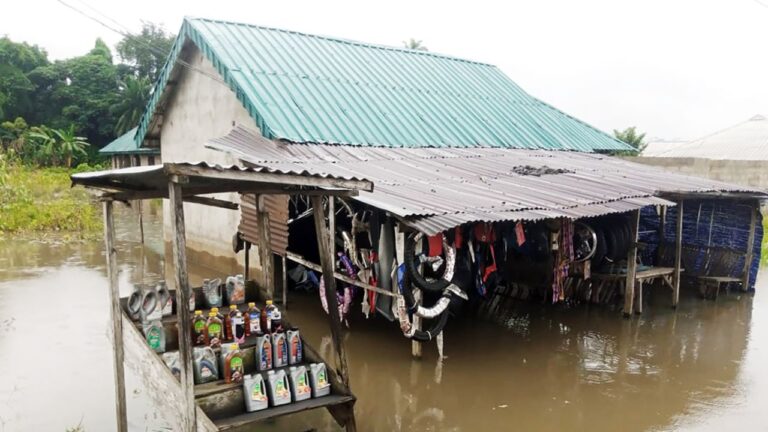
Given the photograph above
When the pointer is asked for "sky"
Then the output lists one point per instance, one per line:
(675, 69)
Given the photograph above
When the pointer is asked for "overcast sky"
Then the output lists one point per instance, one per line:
(676, 69)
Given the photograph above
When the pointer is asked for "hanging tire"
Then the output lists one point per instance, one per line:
(412, 267)
(600, 248)
(436, 329)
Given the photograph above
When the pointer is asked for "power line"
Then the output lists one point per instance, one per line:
(127, 34)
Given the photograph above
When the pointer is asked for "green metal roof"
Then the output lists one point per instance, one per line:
(126, 144)
(313, 89)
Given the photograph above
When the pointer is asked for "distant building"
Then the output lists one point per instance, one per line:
(125, 152)
(738, 154)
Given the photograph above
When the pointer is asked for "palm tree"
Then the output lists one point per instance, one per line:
(47, 141)
(133, 99)
(69, 143)
(414, 44)
(631, 137)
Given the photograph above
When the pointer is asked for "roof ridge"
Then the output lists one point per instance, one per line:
(343, 40)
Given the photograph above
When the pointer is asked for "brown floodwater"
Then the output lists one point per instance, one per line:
(703, 367)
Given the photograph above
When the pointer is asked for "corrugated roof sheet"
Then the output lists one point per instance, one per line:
(434, 189)
(659, 147)
(312, 89)
(126, 144)
(745, 141)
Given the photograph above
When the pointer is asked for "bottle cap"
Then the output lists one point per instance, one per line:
(211, 314)
(269, 302)
(251, 304)
(233, 346)
(232, 307)
(198, 312)
(214, 309)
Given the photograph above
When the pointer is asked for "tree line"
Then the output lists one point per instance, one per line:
(61, 112)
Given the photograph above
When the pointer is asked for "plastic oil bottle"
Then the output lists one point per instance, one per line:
(155, 334)
(198, 328)
(263, 351)
(253, 319)
(228, 321)
(295, 348)
(266, 317)
(300, 389)
(255, 391)
(237, 324)
(319, 379)
(214, 330)
(206, 369)
(233, 365)
(278, 388)
(280, 344)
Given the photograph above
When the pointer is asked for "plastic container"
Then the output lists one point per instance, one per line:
(205, 365)
(237, 327)
(266, 317)
(278, 388)
(198, 328)
(255, 393)
(263, 352)
(300, 388)
(171, 359)
(280, 345)
(212, 292)
(276, 320)
(155, 335)
(318, 378)
(233, 364)
(214, 330)
(253, 319)
(236, 289)
(149, 305)
(295, 347)
(165, 299)
(228, 321)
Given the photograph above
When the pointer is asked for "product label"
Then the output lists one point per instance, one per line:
(302, 386)
(236, 369)
(253, 324)
(321, 379)
(153, 338)
(266, 357)
(205, 372)
(199, 326)
(281, 390)
(214, 329)
(257, 393)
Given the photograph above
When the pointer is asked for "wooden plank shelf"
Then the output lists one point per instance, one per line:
(220, 386)
(270, 413)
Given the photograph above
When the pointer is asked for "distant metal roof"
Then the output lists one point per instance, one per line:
(745, 141)
(126, 144)
(434, 189)
(312, 89)
(659, 147)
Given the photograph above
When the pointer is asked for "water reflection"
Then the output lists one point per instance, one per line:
(543, 369)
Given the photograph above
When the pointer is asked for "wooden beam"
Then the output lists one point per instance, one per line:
(326, 262)
(629, 292)
(344, 278)
(183, 293)
(748, 256)
(213, 202)
(115, 316)
(662, 226)
(265, 251)
(678, 253)
(266, 177)
(247, 270)
(128, 195)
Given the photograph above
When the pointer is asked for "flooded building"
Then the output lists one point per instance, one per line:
(459, 155)
(125, 152)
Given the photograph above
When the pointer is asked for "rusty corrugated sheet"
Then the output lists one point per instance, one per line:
(277, 207)
(437, 188)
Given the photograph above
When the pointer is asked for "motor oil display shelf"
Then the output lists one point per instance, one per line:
(246, 390)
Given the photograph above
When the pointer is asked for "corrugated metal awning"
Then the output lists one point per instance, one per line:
(433, 189)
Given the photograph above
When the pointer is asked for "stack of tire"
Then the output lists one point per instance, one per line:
(614, 237)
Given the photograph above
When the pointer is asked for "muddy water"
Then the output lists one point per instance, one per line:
(702, 368)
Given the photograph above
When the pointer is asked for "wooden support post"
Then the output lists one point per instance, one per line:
(265, 252)
(678, 253)
(141, 220)
(326, 262)
(247, 270)
(662, 226)
(183, 293)
(629, 292)
(116, 316)
(416, 346)
(639, 304)
(748, 255)
(285, 284)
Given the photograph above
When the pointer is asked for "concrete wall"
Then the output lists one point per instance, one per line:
(201, 109)
(124, 161)
(747, 173)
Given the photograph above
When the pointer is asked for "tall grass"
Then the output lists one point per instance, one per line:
(38, 201)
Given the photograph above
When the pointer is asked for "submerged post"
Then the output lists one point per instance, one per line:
(629, 293)
(326, 262)
(662, 227)
(749, 252)
(116, 316)
(678, 253)
(183, 294)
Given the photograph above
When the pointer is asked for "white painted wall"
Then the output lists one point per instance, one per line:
(201, 109)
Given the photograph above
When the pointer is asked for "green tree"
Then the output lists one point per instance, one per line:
(631, 137)
(147, 51)
(13, 135)
(133, 96)
(17, 61)
(45, 139)
(69, 144)
(414, 44)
